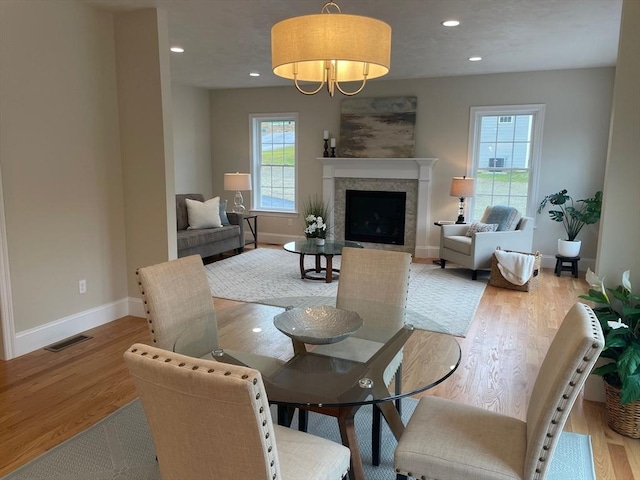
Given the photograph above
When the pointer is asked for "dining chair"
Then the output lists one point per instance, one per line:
(176, 293)
(373, 283)
(452, 441)
(212, 420)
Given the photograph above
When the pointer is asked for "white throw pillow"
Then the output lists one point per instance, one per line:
(476, 227)
(203, 214)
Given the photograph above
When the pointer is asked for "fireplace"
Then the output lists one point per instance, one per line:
(410, 175)
(375, 216)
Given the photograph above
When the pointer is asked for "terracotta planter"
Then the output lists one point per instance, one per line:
(624, 419)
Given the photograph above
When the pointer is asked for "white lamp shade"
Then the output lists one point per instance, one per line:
(237, 181)
(462, 187)
(351, 41)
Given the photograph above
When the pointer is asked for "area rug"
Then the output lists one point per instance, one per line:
(439, 300)
(120, 446)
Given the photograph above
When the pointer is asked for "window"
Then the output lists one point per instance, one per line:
(274, 160)
(504, 145)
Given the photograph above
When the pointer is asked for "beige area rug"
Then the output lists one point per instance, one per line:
(439, 300)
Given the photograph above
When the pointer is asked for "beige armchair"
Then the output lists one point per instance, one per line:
(176, 293)
(452, 441)
(475, 252)
(210, 420)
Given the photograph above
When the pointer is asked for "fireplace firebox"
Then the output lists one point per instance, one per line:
(375, 217)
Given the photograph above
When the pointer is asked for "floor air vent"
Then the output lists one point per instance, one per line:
(61, 345)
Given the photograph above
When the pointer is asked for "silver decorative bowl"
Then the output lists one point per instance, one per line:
(318, 325)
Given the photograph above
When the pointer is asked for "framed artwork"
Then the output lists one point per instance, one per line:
(377, 127)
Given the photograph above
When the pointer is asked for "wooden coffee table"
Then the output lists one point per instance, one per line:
(328, 251)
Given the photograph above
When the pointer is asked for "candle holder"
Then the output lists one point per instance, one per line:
(326, 148)
(333, 151)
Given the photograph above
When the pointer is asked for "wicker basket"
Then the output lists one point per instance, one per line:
(624, 419)
(497, 280)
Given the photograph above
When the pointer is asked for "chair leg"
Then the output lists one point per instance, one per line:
(399, 476)
(376, 433)
(303, 419)
(474, 275)
(442, 262)
(399, 389)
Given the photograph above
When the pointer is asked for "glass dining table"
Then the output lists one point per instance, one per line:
(336, 386)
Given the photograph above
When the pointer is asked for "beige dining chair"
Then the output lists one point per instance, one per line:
(211, 420)
(176, 293)
(373, 283)
(452, 441)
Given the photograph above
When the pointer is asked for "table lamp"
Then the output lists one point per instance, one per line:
(239, 182)
(462, 187)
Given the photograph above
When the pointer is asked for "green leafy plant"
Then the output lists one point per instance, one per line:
(316, 213)
(573, 216)
(618, 310)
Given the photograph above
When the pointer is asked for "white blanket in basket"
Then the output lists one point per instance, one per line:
(515, 267)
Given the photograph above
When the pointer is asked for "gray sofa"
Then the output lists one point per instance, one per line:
(207, 241)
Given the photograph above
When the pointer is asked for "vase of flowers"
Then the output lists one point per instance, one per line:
(316, 214)
(573, 216)
(618, 310)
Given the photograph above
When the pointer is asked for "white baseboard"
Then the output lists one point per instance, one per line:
(35, 338)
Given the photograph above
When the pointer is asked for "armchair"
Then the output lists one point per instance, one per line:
(475, 252)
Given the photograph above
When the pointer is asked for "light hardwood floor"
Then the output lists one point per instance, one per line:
(45, 397)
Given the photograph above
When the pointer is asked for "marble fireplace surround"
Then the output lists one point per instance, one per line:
(361, 173)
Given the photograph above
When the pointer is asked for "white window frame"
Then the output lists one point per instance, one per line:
(537, 110)
(256, 165)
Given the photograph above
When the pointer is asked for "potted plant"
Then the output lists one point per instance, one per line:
(618, 310)
(573, 216)
(316, 214)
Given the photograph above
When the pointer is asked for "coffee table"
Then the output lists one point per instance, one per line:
(328, 251)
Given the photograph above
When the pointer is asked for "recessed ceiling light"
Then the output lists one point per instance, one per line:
(475, 59)
(450, 23)
(254, 74)
(177, 49)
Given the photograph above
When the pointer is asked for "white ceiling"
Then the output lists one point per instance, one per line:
(226, 39)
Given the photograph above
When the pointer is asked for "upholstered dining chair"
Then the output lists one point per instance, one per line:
(176, 293)
(212, 420)
(452, 441)
(374, 284)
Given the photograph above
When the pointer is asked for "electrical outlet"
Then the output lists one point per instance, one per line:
(290, 222)
(82, 286)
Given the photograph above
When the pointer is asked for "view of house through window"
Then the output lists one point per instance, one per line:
(274, 155)
(505, 146)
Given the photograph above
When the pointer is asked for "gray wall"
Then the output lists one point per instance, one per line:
(578, 108)
(192, 140)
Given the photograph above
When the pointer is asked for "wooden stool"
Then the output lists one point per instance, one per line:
(560, 265)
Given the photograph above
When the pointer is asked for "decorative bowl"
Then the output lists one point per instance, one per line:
(318, 325)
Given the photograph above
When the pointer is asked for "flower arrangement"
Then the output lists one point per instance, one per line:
(315, 215)
(573, 216)
(618, 310)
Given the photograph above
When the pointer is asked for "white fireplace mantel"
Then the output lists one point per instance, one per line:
(419, 169)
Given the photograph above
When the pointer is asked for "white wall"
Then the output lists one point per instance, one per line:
(620, 227)
(192, 140)
(60, 161)
(578, 106)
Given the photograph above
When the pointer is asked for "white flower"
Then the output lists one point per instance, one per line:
(618, 324)
(626, 283)
(310, 218)
(595, 283)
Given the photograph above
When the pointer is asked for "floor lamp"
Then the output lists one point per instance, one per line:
(240, 182)
(462, 187)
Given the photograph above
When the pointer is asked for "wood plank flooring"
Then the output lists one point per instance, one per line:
(46, 398)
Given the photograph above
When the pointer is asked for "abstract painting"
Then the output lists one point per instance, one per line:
(377, 127)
